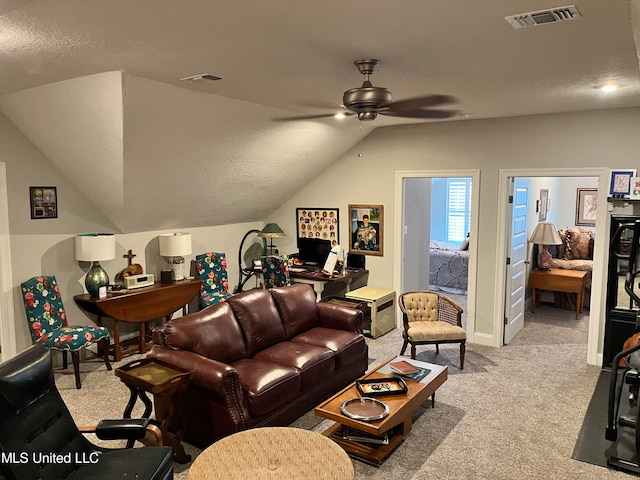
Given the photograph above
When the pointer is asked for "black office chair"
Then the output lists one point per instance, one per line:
(40, 440)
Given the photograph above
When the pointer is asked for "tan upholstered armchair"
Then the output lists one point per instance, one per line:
(431, 318)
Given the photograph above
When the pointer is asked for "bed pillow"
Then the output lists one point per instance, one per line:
(465, 244)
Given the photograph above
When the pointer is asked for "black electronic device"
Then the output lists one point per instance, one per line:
(313, 251)
(355, 261)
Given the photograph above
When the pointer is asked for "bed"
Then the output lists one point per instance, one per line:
(448, 268)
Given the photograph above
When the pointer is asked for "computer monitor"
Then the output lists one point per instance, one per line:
(313, 251)
(356, 261)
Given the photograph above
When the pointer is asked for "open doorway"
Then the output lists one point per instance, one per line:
(438, 215)
(554, 199)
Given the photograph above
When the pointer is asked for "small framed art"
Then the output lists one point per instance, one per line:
(366, 225)
(620, 183)
(322, 223)
(44, 202)
(586, 206)
(544, 204)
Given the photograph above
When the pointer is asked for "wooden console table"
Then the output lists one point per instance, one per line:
(139, 306)
(559, 280)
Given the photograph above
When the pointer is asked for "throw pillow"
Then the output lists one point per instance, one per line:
(579, 241)
(465, 244)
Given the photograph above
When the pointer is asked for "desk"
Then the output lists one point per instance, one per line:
(558, 280)
(139, 306)
(335, 286)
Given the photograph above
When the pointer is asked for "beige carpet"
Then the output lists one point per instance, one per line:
(513, 412)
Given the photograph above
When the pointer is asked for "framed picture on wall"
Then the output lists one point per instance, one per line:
(322, 223)
(586, 206)
(44, 202)
(544, 204)
(366, 229)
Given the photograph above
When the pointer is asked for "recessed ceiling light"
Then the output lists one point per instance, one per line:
(608, 88)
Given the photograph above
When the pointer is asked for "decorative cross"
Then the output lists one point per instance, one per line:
(129, 255)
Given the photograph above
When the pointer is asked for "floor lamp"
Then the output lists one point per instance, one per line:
(271, 230)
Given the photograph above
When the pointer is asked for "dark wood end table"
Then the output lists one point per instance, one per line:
(165, 382)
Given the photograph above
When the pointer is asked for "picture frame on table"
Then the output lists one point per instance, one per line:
(44, 202)
(321, 223)
(586, 206)
(620, 183)
(366, 229)
(634, 193)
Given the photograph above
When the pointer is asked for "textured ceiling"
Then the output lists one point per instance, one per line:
(104, 76)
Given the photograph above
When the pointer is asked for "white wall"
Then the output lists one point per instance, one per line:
(598, 139)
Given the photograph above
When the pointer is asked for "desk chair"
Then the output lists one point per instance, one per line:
(48, 323)
(275, 271)
(431, 318)
(35, 421)
(211, 268)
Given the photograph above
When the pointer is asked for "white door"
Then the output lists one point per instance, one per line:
(516, 262)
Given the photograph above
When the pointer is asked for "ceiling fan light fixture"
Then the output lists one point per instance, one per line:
(366, 116)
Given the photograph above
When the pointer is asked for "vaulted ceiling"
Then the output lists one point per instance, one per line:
(95, 85)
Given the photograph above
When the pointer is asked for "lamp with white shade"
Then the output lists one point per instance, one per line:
(175, 246)
(545, 234)
(96, 247)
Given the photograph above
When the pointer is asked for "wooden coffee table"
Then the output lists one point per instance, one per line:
(396, 425)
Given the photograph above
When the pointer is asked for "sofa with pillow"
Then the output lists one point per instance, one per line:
(261, 358)
(575, 253)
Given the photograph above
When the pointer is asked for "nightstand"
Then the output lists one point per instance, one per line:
(559, 280)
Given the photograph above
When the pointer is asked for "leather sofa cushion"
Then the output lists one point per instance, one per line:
(346, 346)
(297, 307)
(267, 385)
(313, 363)
(259, 319)
(213, 333)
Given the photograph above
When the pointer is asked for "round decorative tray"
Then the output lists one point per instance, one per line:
(366, 409)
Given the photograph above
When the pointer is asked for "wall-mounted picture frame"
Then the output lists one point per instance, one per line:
(620, 183)
(366, 229)
(44, 202)
(544, 204)
(586, 206)
(322, 223)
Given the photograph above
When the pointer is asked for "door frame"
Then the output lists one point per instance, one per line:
(598, 279)
(473, 246)
(7, 318)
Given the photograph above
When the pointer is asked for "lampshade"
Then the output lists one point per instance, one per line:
(175, 244)
(92, 247)
(271, 230)
(545, 233)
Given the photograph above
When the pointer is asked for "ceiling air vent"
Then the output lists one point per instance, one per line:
(531, 19)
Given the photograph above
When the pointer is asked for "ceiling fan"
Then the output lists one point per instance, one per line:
(367, 101)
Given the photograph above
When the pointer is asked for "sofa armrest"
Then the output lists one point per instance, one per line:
(219, 378)
(339, 317)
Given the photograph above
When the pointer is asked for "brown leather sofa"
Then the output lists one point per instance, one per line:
(262, 358)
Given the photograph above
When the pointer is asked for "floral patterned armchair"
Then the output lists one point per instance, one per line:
(211, 268)
(48, 323)
(275, 271)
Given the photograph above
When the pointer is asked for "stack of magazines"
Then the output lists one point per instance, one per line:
(408, 370)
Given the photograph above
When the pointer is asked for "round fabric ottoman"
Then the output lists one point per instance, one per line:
(273, 453)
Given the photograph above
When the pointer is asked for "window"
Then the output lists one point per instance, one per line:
(458, 218)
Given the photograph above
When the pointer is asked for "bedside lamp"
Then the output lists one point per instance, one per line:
(545, 234)
(95, 247)
(271, 230)
(174, 246)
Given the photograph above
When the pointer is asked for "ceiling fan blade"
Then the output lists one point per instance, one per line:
(308, 117)
(417, 103)
(422, 113)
